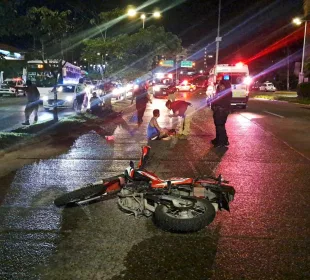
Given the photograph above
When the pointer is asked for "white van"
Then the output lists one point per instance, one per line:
(237, 75)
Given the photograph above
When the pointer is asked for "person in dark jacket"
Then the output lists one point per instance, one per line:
(142, 98)
(221, 108)
(33, 100)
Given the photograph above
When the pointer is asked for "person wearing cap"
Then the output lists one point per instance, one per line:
(221, 108)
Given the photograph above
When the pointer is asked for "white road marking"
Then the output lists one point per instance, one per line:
(274, 114)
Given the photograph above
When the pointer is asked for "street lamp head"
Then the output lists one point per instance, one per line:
(98, 53)
(156, 14)
(85, 59)
(131, 12)
(143, 16)
(297, 21)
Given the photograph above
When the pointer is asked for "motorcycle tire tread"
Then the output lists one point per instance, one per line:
(79, 195)
(82, 194)
(168, 223)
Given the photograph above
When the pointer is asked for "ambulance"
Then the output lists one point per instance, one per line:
(237, 75)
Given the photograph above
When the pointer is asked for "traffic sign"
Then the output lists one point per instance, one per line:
(167, 63)
(187, 63)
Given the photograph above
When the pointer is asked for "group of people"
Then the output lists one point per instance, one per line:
(179, 108)
(220, 105)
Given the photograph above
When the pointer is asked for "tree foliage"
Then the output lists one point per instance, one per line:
(48, 23)
(127, 53)
(11, 22)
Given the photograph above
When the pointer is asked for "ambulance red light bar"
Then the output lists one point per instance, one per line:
(239, 64)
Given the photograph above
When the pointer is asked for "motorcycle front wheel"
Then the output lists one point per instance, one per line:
(187, 219)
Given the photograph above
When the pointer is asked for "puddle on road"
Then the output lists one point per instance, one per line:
(30, 222)
(172, 256)
(5, 185)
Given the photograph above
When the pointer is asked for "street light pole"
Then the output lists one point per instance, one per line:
(218, 38)
(143, 16)
(133, 12)
(298, 21)
(303, 52)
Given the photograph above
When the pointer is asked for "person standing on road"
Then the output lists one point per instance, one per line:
(142, 98)
(221, 108)
(179, 109)
(171, 92)
(33, 100)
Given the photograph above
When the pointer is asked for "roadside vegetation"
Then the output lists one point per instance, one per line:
(22, 134)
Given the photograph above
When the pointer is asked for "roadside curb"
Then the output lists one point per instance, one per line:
(281, 101)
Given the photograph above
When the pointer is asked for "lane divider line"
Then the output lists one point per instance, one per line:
(274, 114)
(275, 136)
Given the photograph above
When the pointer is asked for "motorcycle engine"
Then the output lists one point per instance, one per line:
(131, 199)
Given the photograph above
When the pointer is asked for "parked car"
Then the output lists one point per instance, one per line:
(267, 86)
(8, 87)
(66, 96)
(186, 86)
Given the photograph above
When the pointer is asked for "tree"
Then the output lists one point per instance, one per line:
(134, 53)
(11, 22)
(104, 18)
(48, 26)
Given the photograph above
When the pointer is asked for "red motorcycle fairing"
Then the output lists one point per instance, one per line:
(144, 156)
(114, 185)
(174, 181)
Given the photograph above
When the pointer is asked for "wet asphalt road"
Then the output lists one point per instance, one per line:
(12, 113)
(265, 236)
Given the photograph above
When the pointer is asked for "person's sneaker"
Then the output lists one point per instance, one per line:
(154, 138)
(182, 137)
(26, 123)
(219, 145)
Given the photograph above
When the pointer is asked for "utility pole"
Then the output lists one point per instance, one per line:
(218, 38)
(288, 69)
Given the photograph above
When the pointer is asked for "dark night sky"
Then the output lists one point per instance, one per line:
(257, 25)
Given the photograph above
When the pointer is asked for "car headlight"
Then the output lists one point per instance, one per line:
(69, 98)
(156, 88)
(45, 98)
(129, 87)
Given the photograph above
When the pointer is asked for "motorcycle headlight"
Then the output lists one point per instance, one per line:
(69, 98)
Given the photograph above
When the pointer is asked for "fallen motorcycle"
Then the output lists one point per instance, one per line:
(177, 204)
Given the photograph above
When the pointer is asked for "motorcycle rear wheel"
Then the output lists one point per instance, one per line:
(82, 194)
(198, 217)
(79, 195)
